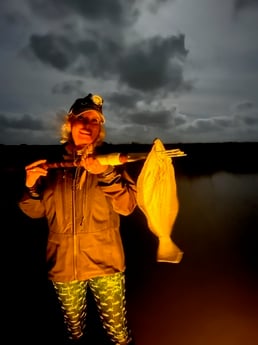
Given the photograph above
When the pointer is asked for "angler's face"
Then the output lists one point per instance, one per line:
(86, 128)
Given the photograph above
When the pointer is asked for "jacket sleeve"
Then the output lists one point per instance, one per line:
(121, 188)
(32, 207)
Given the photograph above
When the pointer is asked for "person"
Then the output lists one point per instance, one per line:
(82, 206)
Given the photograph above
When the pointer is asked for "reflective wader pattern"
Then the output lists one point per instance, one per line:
(109, 295)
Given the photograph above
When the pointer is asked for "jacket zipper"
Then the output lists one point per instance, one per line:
(74, 223)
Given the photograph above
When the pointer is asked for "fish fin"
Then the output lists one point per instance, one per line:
(168, 251)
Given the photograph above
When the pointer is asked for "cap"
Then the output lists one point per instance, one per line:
(90, 102)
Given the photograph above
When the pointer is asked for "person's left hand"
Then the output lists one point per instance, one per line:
(92, 165)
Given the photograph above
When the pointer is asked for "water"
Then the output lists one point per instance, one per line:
(211, 297)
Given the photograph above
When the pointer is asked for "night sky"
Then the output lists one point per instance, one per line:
(180, 70)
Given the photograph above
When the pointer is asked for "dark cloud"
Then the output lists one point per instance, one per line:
(90, 56)
(243, 4)
(154, 63)
(99, 57)
(180, 119)
(243, 106)
(130, 47)
(28, 137)
(251, 119)
(68, 87)
(25, 129)
(203, 126)
(222, 122)
(155, 5)
(160, 119)
(124, 101)
(134, 109)
(161, 2)
(53, 50)
(246, 113)
(147, 65)
(96, 50)
(24, 122)
(243, 120)
(14, 17)
(115, 11)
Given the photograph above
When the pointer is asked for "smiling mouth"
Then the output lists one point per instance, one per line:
(85, 132)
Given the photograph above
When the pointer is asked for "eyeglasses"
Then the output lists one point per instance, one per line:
(89, 102)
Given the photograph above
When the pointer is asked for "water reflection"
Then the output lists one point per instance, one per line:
(211, 297)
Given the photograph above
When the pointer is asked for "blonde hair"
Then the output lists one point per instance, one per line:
(66, 132)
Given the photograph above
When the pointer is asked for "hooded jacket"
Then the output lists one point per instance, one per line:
(83, 220)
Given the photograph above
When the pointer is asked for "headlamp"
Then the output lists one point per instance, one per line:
(90, 102)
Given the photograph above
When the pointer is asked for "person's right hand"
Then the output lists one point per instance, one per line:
(34, 171)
